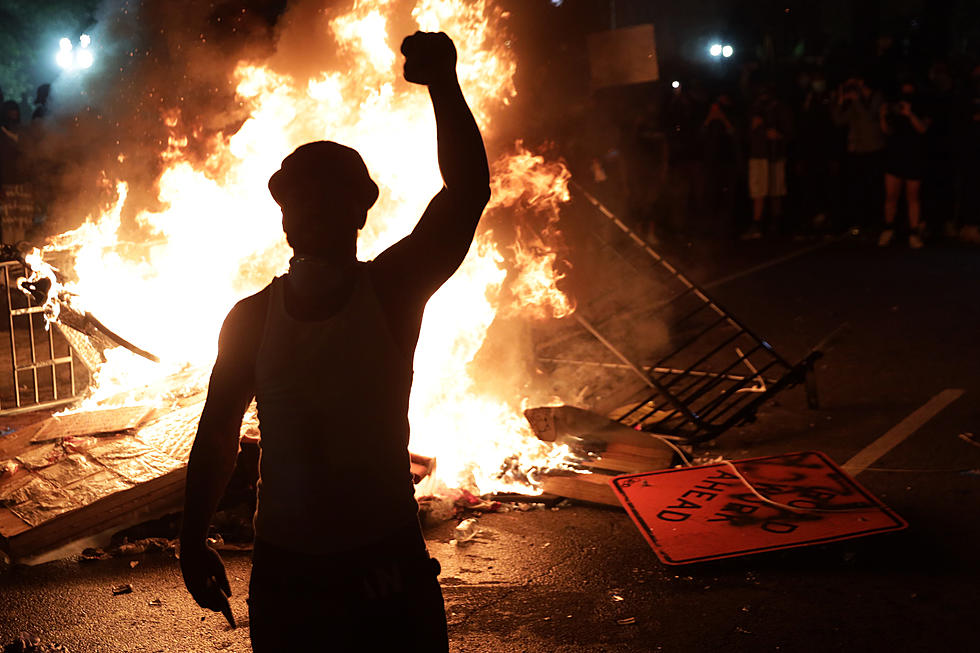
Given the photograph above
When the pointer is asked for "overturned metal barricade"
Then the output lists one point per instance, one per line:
(712, 372)
(42, 368)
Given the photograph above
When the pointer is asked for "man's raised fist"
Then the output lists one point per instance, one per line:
(430, 58)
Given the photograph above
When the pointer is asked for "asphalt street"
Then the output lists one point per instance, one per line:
(582, 579)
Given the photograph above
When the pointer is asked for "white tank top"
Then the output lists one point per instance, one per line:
(332, 400)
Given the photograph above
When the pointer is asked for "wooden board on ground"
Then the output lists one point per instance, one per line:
(593, 488)
(95, 422)
(20, 438)
(601, 443)
(558, 423)
(625, 463)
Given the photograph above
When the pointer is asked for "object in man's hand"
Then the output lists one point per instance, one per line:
(226, 610)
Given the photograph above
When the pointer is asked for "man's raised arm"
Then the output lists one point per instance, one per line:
(443, 235)
(430, 59)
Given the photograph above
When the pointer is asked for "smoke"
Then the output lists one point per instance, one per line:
(157, 62)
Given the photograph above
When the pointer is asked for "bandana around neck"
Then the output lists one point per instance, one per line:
(311, 277)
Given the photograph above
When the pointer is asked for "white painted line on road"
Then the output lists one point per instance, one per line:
(867, 456)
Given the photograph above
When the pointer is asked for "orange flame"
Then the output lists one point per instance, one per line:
(219, 237)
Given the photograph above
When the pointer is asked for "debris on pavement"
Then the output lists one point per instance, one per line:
(591, 488)
(603, 448)
(8, 467)
(144, 545)
(122, 589)
(627, 621)
(127, 548)
(465, 531)
(526, 502)
(436, 509)
(970, 438)
(469, 501)
(90, 485)
(600, 442)
(91, 554)
(27, 643)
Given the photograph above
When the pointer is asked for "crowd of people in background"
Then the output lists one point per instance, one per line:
(893, 156)
(22, 197)
(869, 154)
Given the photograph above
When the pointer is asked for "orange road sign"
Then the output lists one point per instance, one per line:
(724, 510)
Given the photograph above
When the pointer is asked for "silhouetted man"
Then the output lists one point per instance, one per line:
(327, 350)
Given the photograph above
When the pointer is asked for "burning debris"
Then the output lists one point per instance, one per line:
(214, 236)
(43, 284)
(469, 424)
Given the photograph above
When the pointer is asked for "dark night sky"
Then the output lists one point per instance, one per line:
(171, 50)
(683, 28)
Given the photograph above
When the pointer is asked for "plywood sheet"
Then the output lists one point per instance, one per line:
(113, 420)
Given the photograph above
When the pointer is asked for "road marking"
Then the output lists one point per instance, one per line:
(867, 456)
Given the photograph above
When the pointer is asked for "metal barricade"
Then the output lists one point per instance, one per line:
(711, 372)
(42, 369)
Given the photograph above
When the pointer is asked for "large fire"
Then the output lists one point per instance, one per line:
(219, 237)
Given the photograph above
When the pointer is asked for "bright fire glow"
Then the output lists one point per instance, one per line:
(219, 237)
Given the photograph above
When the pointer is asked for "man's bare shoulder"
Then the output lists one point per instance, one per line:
(246, 318)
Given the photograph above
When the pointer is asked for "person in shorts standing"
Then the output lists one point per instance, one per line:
(904, 123)
(769, 130)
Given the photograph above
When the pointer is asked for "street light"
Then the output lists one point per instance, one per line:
(717, 50)
(64, 56)
(69, 59)
(84, 58)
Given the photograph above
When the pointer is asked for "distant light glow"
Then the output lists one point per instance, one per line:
(675, 84)
(69, 59)
(64, 57)
(557, 3)
(84, 59)
(715, 50)
(727, 51)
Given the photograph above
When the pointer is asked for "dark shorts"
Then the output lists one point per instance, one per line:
(905, 161)
(384, 597)
(908, 168)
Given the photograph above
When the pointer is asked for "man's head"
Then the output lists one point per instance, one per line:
(325, 191)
